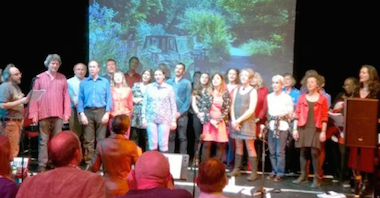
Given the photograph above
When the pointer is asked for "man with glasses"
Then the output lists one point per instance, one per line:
(12, 102)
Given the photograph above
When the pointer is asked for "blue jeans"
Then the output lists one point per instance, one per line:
(277, 152)
(158, 136)
(182, 136)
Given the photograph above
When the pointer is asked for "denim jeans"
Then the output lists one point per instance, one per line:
(158, 136)
(182, 136)
(277, 152)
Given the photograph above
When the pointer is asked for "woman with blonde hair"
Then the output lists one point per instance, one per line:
(243, 123)
(121, 97)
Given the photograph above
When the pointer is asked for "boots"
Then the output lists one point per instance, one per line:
(316, 181)
(236, 171)
(301, 179)
(254, 163)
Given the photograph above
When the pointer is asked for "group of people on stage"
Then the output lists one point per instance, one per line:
(227, 111)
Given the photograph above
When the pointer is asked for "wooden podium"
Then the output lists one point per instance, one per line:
(361, 121)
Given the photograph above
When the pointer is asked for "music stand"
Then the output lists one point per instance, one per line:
(361, 119)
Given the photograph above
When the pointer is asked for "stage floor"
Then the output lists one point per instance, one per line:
(239, 187)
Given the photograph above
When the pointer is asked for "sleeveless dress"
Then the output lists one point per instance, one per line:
(248, 127)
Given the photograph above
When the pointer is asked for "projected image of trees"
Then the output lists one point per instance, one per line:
(206, 35)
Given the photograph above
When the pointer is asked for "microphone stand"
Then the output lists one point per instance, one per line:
(26, 113)
(196, 162)
(261, 190)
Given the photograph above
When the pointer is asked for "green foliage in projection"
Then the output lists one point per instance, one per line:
(210, 29)
(266, 21)
(104, 37)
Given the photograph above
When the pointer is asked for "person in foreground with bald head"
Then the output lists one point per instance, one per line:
(151, 178)
(67, 180)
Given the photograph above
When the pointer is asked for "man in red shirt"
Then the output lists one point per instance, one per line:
(132, 76)
(53, 108)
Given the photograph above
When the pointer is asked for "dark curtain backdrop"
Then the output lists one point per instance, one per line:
(333, 38)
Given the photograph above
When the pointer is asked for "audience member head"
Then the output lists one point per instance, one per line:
(212, 176)
(65, 149)
(232, 76)
(147, 76)
(257, 81)
(120, 124)
(5, 157)
(151, 170)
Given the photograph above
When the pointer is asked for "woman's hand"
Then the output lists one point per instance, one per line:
(295, 135)
(173, 126)
(322, 136)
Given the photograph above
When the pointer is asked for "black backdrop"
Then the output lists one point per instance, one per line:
(333, 38)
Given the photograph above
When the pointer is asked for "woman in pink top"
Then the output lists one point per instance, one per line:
(121, 97)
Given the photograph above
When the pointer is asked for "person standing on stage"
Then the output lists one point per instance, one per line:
(131, 76)
(80, 71)
(215, 105)
(111, 69)
(138, 132)
(159, 112)
(12, 102)
(53, 108)
(182, 89)
(309, 129)
(122, 102)
(94, 106)
(280, 110)
(243, 123)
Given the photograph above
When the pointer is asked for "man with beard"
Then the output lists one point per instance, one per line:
(12, 102)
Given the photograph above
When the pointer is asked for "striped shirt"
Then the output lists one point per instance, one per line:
(55, 102)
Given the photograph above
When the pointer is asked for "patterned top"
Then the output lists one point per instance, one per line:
(159, 105)
(137, 92)
(206, 103)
